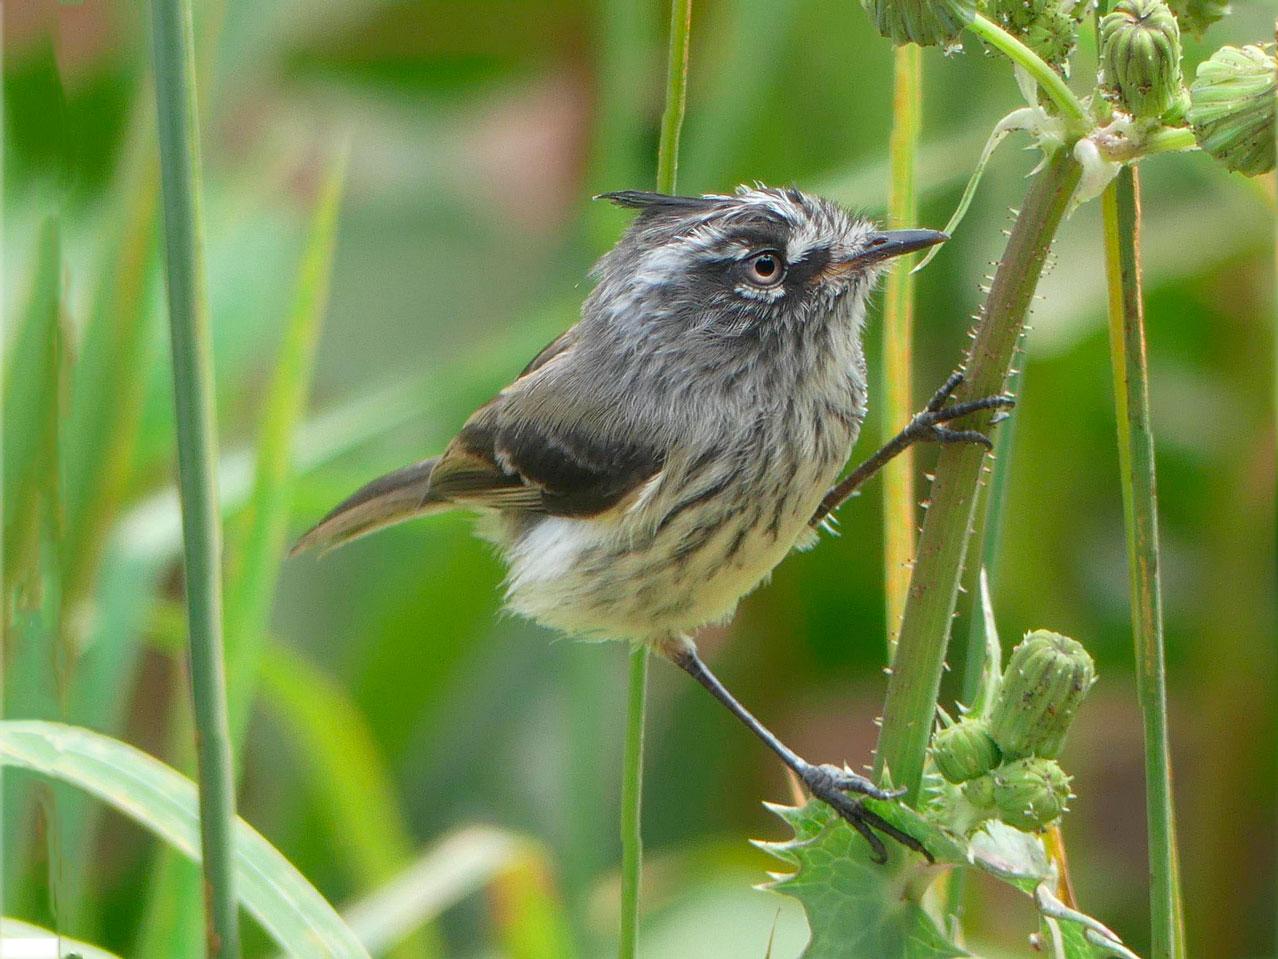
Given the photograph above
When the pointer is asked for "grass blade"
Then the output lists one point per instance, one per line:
(1121, 220)
(178, 127)
(899, 519)
(260, 548)
(165, 802)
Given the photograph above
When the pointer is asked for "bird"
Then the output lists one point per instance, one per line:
(656, 461)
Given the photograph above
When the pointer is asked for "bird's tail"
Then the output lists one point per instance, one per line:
(385, 501)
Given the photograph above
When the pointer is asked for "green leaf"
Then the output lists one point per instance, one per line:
(854, 906)
(11, 929)
(289, 908)
(991, 667)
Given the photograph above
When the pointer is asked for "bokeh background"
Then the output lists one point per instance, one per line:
(397, 703)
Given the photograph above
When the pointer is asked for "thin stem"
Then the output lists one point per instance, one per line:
(1121, 219)
(1053, 83)
(1169, 140)
(632, 803)
(178, 127)
(898, 337)
(632, 770)
(676, 95)
(929, 608)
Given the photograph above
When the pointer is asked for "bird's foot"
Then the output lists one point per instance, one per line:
(929, 426)
(832, 785)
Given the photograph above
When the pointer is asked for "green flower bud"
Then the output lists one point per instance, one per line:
(1030, 794)
(1197, 15)
(1232, 108)
(925, 22)
(1140, 54)
(1046, 678)
(965, 750)
(1047, 27)
(980, 792)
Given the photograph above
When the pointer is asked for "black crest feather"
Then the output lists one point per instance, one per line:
(658, 203)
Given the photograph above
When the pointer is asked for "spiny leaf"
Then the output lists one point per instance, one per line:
(856, 907)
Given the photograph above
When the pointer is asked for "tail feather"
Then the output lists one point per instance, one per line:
(385, 501)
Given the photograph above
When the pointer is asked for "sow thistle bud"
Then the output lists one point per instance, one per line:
(1140, 54)
(1047, 27)
(1046, 678)
(925, 22)
(1029, 794)
(965, 750)
(1231, 108)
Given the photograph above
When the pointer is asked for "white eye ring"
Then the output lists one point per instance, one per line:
(765, 269)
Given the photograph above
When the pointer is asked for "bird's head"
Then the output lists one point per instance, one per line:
(760, 260)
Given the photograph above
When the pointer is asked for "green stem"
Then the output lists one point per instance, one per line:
(174, 53)
(632, 770)
(920, 653)
(898, 337)
(1053, 83)
(1121, 219)
(1169, 140)
(632, 803)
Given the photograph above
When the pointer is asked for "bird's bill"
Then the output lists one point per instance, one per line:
(886, 244)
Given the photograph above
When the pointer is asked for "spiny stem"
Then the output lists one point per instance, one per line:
(920, 654)
(898, 338)
(1053, 84)
(178, 127)
(632, 774)
(1121, 220)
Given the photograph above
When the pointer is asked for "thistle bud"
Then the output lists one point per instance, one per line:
(965, 750)
(980, 793)
(1046, 678)
(1232, 108)
(1030, 794)
(1197, 15)
(1047, 27)
(1140, 54)
(925, 22)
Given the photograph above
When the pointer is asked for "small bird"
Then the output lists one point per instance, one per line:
(656, 461)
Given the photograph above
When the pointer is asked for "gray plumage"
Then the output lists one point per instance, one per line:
(655, 462)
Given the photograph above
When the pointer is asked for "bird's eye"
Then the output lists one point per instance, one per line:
(765, 269)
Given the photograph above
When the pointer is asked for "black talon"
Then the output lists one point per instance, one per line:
(831, 785)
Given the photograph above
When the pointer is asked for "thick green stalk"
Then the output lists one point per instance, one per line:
(920, 653)
(632, 773)
(178, 127)
(1121, 219)
(898, 337)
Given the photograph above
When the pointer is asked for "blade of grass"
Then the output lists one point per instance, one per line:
(898, 337)
(455, 867)
(1121, 220)
(165, 802)
(632, 764)
(334, 741)
(925, 627)
(178, 128)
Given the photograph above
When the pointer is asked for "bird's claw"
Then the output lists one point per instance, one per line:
(831, 785)
(927, 426)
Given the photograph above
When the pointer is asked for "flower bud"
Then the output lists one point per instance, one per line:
(1046, 678)
(965, 750)
(1047, 27)
(1030, 794)
(1197, 15)
(1140, 54)
(925, 22)
(980, 792)
(1232, 108)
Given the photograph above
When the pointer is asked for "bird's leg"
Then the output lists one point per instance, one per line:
(926, 426)
(830, 784)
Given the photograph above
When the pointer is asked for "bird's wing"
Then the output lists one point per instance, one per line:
(540, 446)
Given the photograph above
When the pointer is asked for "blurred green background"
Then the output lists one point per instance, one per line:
(398, 704)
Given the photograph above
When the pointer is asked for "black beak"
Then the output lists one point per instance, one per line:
(889, 243)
